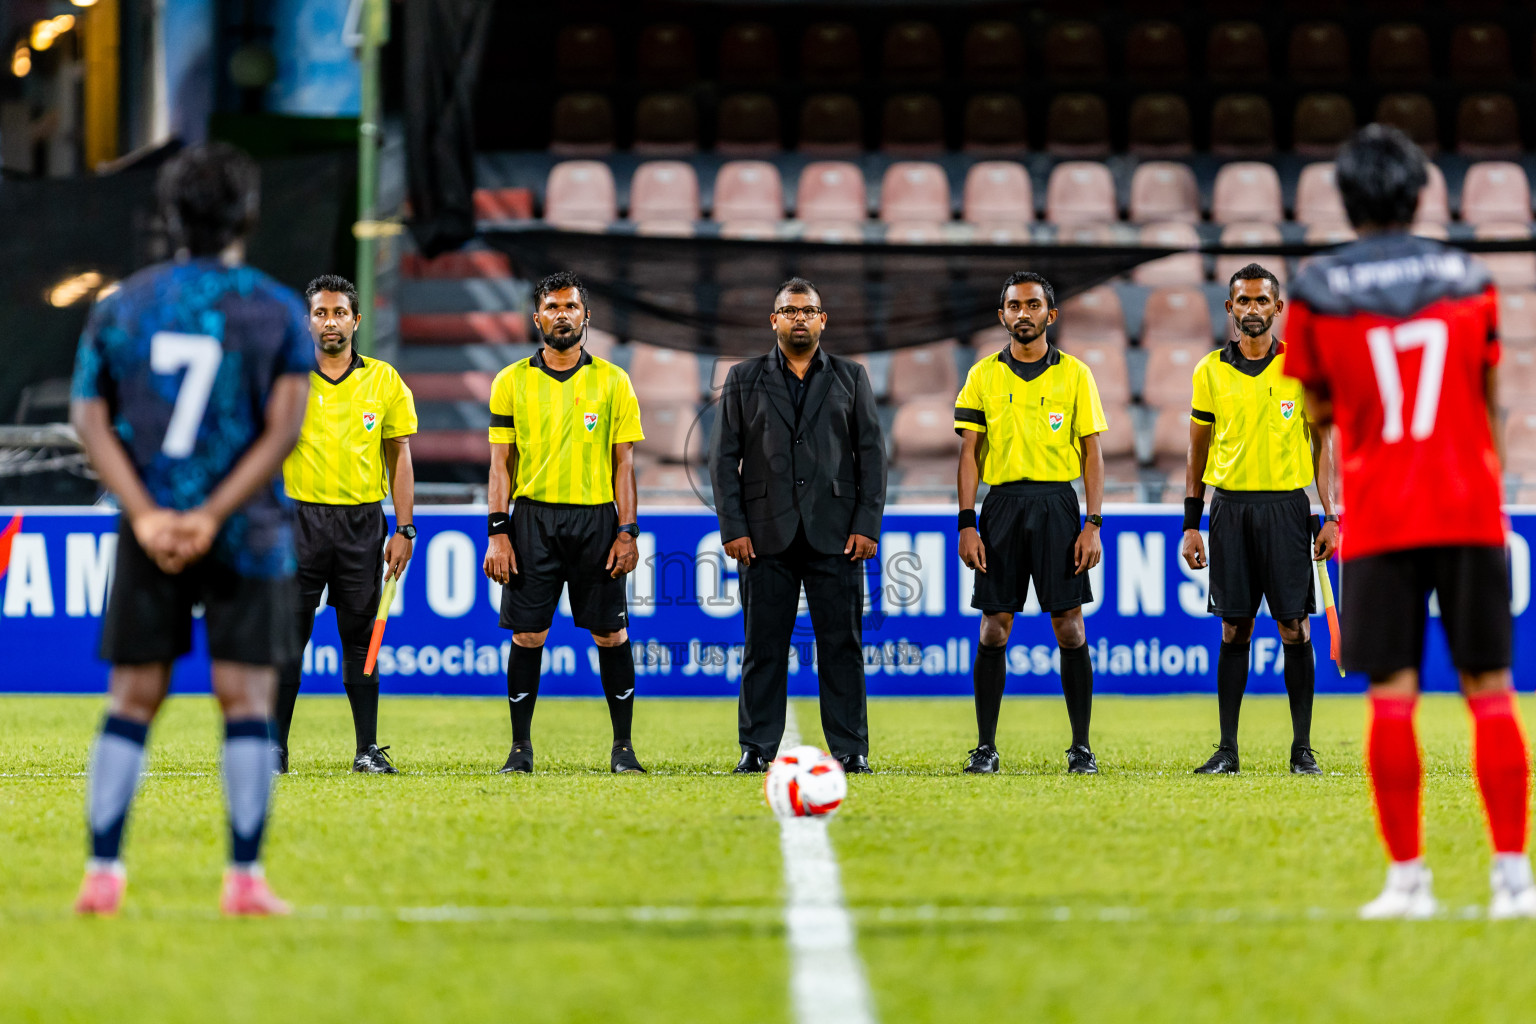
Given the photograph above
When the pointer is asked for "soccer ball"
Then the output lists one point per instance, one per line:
(805, 782)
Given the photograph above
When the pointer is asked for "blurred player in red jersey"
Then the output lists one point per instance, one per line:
(1396, 339)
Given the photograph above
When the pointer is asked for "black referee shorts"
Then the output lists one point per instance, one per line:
(250, 620)
(1384, 605)
(341, 547)
(1030, 531)
(563, 546)
(1261, 547)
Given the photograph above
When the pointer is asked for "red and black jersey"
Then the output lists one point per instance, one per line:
(1399, 333)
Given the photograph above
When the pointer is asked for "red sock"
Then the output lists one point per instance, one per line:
(1503, 768)
(1397, 776)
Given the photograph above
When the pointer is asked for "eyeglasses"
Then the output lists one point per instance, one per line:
(796, 312)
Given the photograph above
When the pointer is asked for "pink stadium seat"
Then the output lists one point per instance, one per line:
(1256, 235)
(1242, 125)
(756, 230)
(1429, 229)
(1514, 270)
(915, 232)
(1517, 318)
(1080, 191)
(912, 125)
(1246, 192)
(835, 231)
(1155, 54)
(581, 124)
(1317, 196)
(1163, 191)
(1399, 55)
(831, 124)
(451, 446)
(1495, 191)
(660, 483)
(580, 193)
(1002, 234)
(1434, 199)
(993, 53)
(1093, 317)
(924, 370)
(672, 431)
(720, 370)
(1169, 388)
(1160, 126)
(927, 481)
(998, 192)
(924, 428)
(1517, 374)
(748, 191)
(664, 374)
(831, 191)
(473, 386)
(1077, 126)
(914, 191)
(664, 190)
(1176, 316)
(994, 125)
(1184, 270)
(1519, 440)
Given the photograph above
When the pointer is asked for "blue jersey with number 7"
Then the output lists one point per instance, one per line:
(185, 355)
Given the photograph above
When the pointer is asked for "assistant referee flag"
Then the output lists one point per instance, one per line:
(339, 459)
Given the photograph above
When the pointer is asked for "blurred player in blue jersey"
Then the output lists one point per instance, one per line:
(189, 390)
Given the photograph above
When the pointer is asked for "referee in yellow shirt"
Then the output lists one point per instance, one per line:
(1029, 420)
(352, 453)
(1249, 438)
(562, 510)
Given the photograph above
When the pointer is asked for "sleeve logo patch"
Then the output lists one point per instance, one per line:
(370, 420)
(589, 419)
(1286, 409)
(1056, 420)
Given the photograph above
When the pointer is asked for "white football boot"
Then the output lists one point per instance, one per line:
(1408, 895)
(1514, 893)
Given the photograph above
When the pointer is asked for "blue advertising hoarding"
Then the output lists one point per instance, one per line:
(1148, 630)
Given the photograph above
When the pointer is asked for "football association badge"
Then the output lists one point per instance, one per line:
(590, 419)
(1056, 420)
(369, 419)
(1286, 408)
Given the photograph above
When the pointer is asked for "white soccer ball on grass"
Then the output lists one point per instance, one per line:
(805, 782)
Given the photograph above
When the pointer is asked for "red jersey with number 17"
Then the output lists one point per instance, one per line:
(1399, 333)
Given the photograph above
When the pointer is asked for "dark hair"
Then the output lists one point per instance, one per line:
(797, 286)
(1254, 272)
(209, 195)
(331, 283)
(1027, 277)
(1380, 174)
(558, 283)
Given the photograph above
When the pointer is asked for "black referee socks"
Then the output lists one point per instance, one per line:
(523, 689)
(363, 696)
(1300, 680)
(990, 674)
(1077, 688)
(616, 666)
(1231, 683)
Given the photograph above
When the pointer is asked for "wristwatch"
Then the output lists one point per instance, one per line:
(407, 531)
(1331, 518)
(1095, 519)
(633, 529)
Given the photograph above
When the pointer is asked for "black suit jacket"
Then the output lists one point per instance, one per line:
(770, 477)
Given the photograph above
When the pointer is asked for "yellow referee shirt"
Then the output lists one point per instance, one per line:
(1031, 416)
(1260, 440)
(339, 459)
(564, 424)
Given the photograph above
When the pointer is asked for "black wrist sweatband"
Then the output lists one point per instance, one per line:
(498, 523)
(967, 518)
(1194, 508)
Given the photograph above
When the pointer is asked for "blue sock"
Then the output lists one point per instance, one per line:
(116, 762)
(249, 761)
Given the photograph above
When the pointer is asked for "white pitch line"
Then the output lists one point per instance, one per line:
(827, 980)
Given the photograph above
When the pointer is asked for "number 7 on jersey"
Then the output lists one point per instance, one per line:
(200, 355)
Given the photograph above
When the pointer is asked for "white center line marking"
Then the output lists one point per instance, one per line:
(827, 980)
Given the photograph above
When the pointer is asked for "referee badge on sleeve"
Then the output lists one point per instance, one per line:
(370, 420)
(1286, 409)
(589, 419)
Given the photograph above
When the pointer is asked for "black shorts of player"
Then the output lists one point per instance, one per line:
(1384, 605)
(149, 615)
(1029, 530)
(563, 545)
(340, 549)
(1261, 547)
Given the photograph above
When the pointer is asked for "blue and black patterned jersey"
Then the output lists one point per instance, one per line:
(185, 355)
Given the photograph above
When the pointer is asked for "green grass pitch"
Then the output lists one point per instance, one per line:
(450, 894)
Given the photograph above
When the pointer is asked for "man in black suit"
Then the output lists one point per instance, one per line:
(798, 464)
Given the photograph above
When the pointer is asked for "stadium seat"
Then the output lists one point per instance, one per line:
(1242, 125)
(1322, 122)
(993, 54)
(1093, 317)
(912, 125)
(1164, 191)
(1495, 191)
(661, 483)
(664, 374)
(1074, 53)
(834, 231)
(1087, 233)
(924, 428)
(1080, 191)
(1256, 235)
(1429, 229)
(1002, 234)
(1434, 199)
(463, 328)
(1480, 55)
(1246, 192)
(1519, 441)
(749, 54)
(1077, 125)
(503, 203)
(472, 446)
(1236, 53)
(1329, 233)
(831, 124)
(664, 56)
(600, 343)
(1175, 316)
(1317, 196)
(1517, 318)
(1106, 359)
(1159, 126)
(914, 191)
(748, 125)
(829, 55)
(994, 125)
(1414, 114)
(913, 53)
(666, 124)
(672, 429)
(584, 55)
(927, 481)
(748, 190)
(1514, 270)
(914, 232)
(449, 266)
(721, 368)
(473, 386)
(581, 124)
(1184, 269)
(580, 193)
(1170, 388)
(831, 191)
(998, 192)
(1517, 372)
(1399, 55)
(924, 370)
(1155, 54)
(664, 190)
(1488, 127)
(1319, 54)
